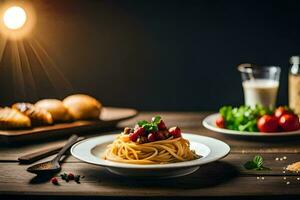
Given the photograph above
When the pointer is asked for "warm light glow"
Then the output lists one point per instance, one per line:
(14, 17)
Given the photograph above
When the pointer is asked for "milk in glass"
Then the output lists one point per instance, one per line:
(260, 92)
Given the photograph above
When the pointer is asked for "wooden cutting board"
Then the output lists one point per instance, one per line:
(109, 117)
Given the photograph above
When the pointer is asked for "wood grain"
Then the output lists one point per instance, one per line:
(216, 179)
(225, 178)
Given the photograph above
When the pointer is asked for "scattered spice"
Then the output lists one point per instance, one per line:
(64, 176)
(71, 176)
(280, 158)
(67, 177)
(54, 181)
(295, 167)
(77, 178)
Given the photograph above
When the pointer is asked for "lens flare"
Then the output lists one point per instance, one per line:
(14, 17)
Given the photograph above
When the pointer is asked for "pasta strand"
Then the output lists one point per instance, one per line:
(159, 152)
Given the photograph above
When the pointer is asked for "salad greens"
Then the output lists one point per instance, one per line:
(243, 118)
(256, 164)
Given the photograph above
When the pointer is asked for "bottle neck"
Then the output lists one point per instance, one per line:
(295, 69)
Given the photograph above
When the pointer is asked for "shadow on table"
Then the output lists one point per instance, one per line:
(206, 176)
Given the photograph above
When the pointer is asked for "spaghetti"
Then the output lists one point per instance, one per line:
(165, 151)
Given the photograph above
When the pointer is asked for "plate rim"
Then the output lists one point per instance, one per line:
(207, 125)
(186, 164)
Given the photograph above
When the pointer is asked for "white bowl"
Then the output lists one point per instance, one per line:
(210, 123)
(91, 151)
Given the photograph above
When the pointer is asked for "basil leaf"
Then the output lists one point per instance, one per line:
(256, 164)
(250, 165)
(142, 123)
(258, 160)
(150, 127)
(153, 129)
(156, 119)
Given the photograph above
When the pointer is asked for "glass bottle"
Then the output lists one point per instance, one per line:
(294, 84)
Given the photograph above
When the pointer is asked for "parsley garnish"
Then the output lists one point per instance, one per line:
(256, 164)
(156, 119)
(150, 126)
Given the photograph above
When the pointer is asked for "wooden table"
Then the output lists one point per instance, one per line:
(225, 178)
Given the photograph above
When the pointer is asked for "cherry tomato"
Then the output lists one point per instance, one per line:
(268, 123)
(151, 137)
(133, 136)
(140, 131)
(159, 135)
(220, 122)
(281, 111)
(161, 125)
(175, 132)
(166, 133)
(137, 132)
(289, 122)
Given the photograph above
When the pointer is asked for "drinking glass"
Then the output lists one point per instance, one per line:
(260, 84)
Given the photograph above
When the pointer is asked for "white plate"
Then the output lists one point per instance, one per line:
(91, 151)
(209, 123)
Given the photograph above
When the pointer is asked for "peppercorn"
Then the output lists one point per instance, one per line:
(77, 178)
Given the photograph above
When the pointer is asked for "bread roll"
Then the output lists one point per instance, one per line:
(82, 106)
(56, 108)
(37, 116)
(13, 119)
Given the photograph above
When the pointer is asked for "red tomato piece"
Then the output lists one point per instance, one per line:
(161, 125)
(280, 111)
(289, 122)
(151, 137)
(268, 123)
(175, 132)
(220, 122)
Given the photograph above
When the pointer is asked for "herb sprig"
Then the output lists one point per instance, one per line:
(150, 126)
(256, 164)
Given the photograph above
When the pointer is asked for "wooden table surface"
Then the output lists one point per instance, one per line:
(224, 178)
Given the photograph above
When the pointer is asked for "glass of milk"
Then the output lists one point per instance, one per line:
(260, 84)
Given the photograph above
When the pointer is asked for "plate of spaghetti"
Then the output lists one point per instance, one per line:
(150, 149)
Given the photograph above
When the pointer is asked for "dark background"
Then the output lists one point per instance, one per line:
(157, 55)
